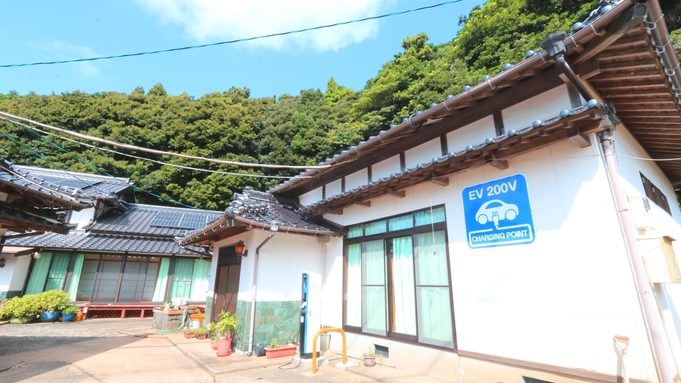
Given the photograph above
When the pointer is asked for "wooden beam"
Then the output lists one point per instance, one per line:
(580, 140)
(395, 193)
(589, 126)
(442, 181)
(334, 211)
(629, 65)
(497, 163)
(362, 203)
(615, 77)
(633, 17)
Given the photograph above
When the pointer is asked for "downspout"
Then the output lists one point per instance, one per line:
(556, 49)
(251, 332)
(651, 314)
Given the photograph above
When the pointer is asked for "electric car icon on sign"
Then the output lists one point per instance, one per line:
(496, 210)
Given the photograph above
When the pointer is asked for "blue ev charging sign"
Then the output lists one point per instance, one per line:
(498, 213)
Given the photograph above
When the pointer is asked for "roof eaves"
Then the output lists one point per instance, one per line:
(606, 13)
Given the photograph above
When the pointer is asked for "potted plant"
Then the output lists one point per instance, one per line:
(200, 333)
(21, 309)
(80, 315)
(275, 350)
(369, 358)
(188, 333)
(212, 332)
(52, 302)
(225, 327)
(68, 314)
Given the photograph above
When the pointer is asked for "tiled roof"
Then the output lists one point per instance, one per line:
(13, 178)
(264, 211)
(80, 241)
(88, 185)
(469, 157)
(16, 220)
(524, 78)
(154, 220)
(142, 229)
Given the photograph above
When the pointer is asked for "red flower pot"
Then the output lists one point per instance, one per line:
(278, 352)
(224, 347)
(200, 336)
(188, 335)
(214, 344)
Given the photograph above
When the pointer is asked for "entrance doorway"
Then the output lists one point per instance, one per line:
(227, 282)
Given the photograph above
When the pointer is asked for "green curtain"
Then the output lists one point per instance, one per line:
(374, 227)
(374, 313)
(401, 223)
(402, 297)
(57, 273)
(432, 290)
(161, 281)
(353, 311)
(429, 216)
(200, 281)
(39, 274)
(356, 231)
(182, 278)
(75, 276)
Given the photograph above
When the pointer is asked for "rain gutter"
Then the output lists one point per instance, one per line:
(555, 47)
(419, 118)
(664, 47)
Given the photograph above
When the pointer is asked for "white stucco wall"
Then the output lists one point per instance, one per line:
(356, 179)
(385, 168)
(423, 153)
(557, 301)
(82, 217)
(471, 134)
(311, 197)
(333, 188)
(282, 261)
(541, 107)
(13, 275)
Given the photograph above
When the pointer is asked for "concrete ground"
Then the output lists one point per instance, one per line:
(129, 350)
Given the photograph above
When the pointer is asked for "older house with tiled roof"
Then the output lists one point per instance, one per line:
(117, 256)
(519, 231)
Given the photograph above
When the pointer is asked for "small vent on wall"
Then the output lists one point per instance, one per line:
(382, 351)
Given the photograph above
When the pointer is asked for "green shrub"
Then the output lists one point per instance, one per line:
(21, 307)
(53, 300)
(69, 310)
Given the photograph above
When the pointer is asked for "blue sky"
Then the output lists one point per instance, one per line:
(45, 30)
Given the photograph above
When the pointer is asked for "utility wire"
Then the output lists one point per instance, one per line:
(33, 128)
(232, 41)
(101, 171)
(57, 166)
(648, 159)
(159, 152)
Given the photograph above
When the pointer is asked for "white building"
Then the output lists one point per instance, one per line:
(518, 231)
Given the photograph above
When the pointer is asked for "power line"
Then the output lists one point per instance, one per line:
(159, 152)
(231, 41)
(92, 166)
(32, 128)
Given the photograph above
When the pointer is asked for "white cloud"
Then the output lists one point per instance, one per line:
(62, 50)
(218, 20)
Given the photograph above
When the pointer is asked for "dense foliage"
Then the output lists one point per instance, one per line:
(301, 129)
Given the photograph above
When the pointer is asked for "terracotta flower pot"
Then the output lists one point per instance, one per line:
(188, 335)
(80, 315)
(224, 347)
(214, 344)
(200, 336)
(286, 350)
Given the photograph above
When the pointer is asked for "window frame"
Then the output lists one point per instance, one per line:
(386, 237)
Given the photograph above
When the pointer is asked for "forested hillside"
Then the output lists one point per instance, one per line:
(301, 129)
